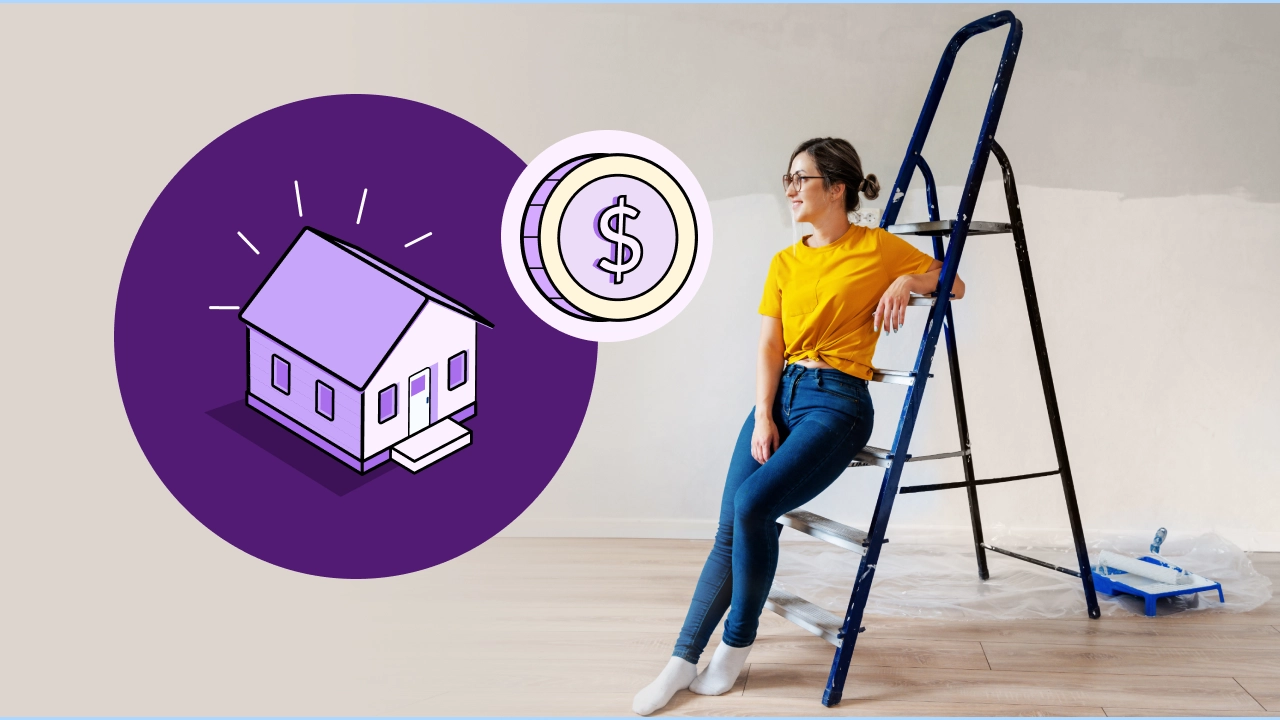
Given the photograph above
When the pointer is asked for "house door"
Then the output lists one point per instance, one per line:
(419, 401)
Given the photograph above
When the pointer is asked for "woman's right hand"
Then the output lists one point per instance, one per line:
(764, 439)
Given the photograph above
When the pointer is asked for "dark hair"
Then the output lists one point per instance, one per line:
(839, 163)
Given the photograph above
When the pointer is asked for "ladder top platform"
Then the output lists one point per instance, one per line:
(943, 227)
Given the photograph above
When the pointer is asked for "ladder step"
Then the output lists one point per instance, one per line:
(883, 458)
(926, 300)
(943, 227)
(894, 377)
(805, 614)
(822, 528)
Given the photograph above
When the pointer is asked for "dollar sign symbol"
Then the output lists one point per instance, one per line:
(616, 265)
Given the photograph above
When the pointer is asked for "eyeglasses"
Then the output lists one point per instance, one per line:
(798, 180)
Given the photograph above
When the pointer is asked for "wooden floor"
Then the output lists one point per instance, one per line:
(576, 627)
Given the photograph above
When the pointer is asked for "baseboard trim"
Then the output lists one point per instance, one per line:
(702, 529)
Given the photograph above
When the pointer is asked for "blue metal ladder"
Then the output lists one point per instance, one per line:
(843, 633)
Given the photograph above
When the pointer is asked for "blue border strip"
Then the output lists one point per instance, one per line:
(619, 2)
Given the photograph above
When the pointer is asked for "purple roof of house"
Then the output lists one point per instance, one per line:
(340, 307)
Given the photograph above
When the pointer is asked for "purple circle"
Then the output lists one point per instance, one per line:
(596, 208)
(403, 169)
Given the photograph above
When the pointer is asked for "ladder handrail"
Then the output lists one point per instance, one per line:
(930, 109)
(960, 228)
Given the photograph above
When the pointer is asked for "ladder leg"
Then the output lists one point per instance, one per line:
(857, 604)
(1046, 379)
(962, 426)
(962, 419)
(844, 654)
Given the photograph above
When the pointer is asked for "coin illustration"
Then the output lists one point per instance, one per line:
(606, 238)
(609, 237)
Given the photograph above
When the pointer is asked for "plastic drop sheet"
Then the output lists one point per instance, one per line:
(938, 577)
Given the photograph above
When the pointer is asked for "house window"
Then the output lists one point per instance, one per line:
(457, 369)
(387, 403)
(280, 374)
(324, 400)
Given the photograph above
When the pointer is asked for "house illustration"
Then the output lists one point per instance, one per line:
(360, 359)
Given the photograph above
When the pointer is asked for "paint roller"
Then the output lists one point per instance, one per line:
(1141, 568)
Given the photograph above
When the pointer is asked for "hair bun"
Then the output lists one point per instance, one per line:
(870, 187)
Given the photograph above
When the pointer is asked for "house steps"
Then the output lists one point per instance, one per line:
(431, 444)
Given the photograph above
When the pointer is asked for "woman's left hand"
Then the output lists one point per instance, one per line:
(891, 313)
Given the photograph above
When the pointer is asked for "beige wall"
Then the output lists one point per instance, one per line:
(1144, 139)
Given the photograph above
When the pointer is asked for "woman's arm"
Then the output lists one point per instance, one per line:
(764, 440)
(892, 311)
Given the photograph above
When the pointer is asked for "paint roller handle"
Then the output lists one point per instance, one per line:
(1158, 541)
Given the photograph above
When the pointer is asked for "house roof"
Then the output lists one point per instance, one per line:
(340, 307)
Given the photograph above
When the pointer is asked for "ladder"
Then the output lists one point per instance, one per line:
(843, 632)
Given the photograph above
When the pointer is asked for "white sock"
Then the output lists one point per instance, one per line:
(674, 677)
(722, 672)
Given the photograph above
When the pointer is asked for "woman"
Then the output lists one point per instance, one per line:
(825, 301)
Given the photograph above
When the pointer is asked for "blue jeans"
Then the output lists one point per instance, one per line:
(824, 418)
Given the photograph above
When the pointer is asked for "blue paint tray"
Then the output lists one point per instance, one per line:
(1118, 581)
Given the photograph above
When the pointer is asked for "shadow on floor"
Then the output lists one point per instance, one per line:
(320, 466)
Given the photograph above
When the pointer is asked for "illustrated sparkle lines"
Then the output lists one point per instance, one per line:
(298, 194)
(362, 198)
(224, 307)
(246, 242)
(424, 237)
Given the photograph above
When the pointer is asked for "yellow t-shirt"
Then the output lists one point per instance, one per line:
(826, 295)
